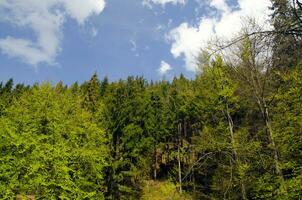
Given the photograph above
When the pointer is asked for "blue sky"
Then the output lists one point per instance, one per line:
(55, 40)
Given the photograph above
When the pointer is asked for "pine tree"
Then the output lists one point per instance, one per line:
(91, 91)
(288, 38)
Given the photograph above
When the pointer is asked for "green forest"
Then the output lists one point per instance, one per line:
(232, 132)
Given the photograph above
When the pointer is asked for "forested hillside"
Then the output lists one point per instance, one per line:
(233, 132)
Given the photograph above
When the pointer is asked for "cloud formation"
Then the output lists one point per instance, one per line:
(164, 2)
(164, 68)
(187, 40)
(45, 18)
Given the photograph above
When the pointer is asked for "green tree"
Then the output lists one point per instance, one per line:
(287, 22)
(287, 120)
(222, 145)
(91, 90)
(53, 150)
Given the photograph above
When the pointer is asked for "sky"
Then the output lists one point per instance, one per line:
(69, 40)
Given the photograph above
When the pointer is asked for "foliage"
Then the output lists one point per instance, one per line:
(233, 132)
(50, 148)
(161, 190)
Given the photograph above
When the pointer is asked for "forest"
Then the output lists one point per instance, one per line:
(232, 132)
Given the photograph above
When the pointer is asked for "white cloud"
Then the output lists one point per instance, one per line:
(163, 2)
(81, 10)
(94, 32)
(24, 49)
(219, 5)
(188, 40)
(133, 45)
(45, 18)
(164, 68)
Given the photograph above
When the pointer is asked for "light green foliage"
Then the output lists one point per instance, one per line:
(50, 148)
(288, 125)
(225, 148)
(155, 190)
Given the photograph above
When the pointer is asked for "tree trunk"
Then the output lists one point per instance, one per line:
(178, 159)
(269, 128)
(265, 113)
(231, 129)
(194, 186)
(155, 162)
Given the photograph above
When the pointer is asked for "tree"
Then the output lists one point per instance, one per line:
(124, 122)
(286, 122)
(91, 90)
(220, 135)
(287, 23)
(103, 86)
(52, 150)
(6, 94)
(155, 124)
